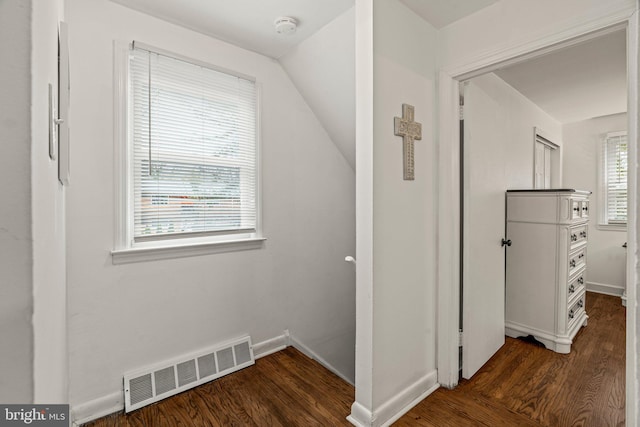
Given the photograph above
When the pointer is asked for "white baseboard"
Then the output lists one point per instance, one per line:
(114, 402)
(97, 408)
(312, 355)
(390, 411)
(604, 288)
(271, 346)
(360, 416)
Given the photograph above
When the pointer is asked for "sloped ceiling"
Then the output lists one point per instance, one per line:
(323, 69)
(441, 13)
(245, 23)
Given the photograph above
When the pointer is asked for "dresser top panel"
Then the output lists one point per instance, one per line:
(552, 190)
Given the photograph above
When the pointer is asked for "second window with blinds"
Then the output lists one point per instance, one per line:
(189, 155)
(613, 181)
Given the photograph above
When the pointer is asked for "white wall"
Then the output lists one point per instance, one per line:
(520, 117)
(323, 69)
(403, 211)
(127, 316)
(399, 366)
(16, 260)
(607, 257)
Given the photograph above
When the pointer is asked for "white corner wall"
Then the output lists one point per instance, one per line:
(49, 249)
(607, 258)
(521, 116)
(16, 256)
(404, 232)
(123, 317)
(396, 369)
(323, 69)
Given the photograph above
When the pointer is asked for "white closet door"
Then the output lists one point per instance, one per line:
(543, 162)
(539, 165)
(483, 229)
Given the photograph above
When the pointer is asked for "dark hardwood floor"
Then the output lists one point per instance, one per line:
(525, 385)
(283, 389)
(522, 385)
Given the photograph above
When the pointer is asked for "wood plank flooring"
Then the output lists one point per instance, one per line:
(522, 385)
(283, 389)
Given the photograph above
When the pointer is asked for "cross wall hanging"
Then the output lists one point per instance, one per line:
(410, 131)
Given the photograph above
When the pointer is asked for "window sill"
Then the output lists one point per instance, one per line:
(126, 256)
(611, 227)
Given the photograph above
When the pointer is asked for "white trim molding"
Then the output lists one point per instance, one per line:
(270, 346)
(394, 408)
(124, 256)
(360, 416)
(448, 237)
(97, 408)
(364, 208)
(604, 288)
(633, 109)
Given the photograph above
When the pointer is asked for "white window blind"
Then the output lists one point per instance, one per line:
(615, 178)
(193, 149)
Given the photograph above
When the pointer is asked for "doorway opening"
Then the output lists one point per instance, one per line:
(449, 365)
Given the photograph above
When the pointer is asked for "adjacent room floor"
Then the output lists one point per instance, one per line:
(521, 385)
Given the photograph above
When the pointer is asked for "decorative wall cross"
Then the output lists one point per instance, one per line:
(410, 131)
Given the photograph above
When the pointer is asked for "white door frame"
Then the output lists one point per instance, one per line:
(448, 275)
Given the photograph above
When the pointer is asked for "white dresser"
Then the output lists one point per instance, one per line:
(545, 262)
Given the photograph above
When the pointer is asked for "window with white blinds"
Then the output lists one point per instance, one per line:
(614, 175)
(192, 149)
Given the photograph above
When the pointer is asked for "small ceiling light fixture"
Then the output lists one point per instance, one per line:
(286, 25)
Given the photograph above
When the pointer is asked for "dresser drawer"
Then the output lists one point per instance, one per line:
(577, 260)
(584, 209)
(576, 209)
(576, 309)
(575, 287)
(577, 236)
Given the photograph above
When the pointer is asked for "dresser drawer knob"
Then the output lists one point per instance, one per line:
(571, 315)
(580, 303)
(572, 289)
(572, 263)
(581, 256)
(583, 234)
(581, 280)
(574, 237)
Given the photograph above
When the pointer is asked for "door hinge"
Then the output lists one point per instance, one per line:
(460, 337)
